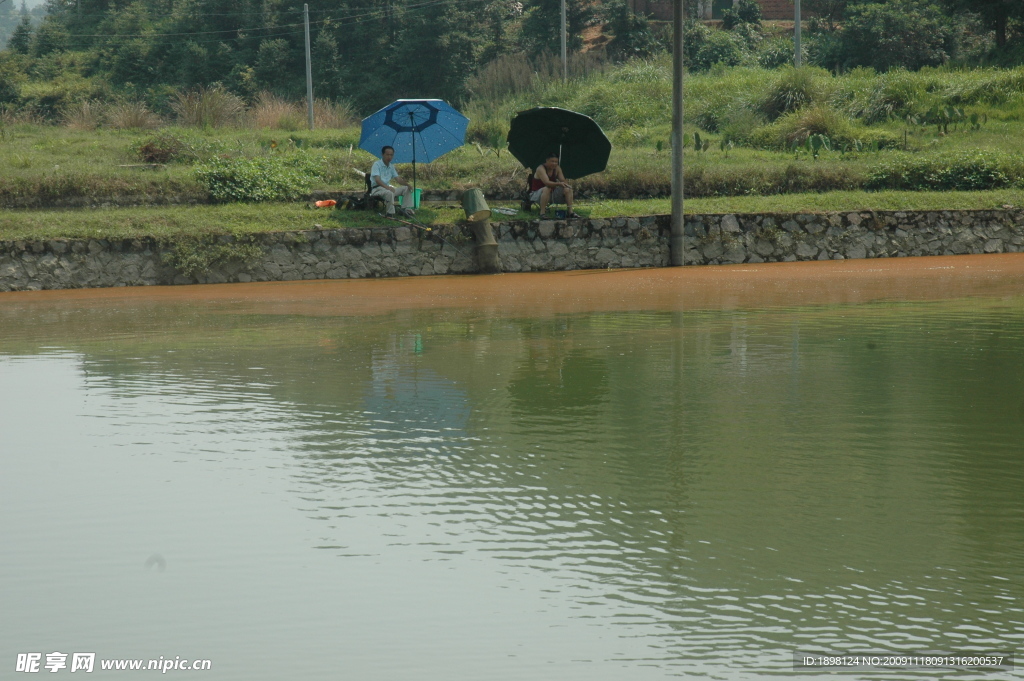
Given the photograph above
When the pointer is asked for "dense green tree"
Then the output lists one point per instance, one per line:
(996, 14)
(21, 39)
(829, 11)
(632, 32)
(899, 33)
(51, 36)
(326, 66)
(745, 12)
(542, 25)
(439, 51)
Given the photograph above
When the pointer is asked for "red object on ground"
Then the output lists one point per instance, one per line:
(326, 204)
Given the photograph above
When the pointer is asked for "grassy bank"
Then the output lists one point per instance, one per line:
(172, 221)
(749, 132)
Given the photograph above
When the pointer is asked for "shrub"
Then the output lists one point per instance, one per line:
(333, 114)
(966, 171)
(210, 107)
(132, 116)
(989, 86)
(164, 147)
(265, 178)
(160, 148)
(774, 53)
(907, 33)
(896, 94)
(49, 98)
(746, 12)
(793, 89)
(11, 78)
(739, 125)
(84, 115)
(633, 35)
(721, 47)
(819, 119)
(695, 34)
(824, 49)
(51, 36)
(508, 74)
(619, 104)
(641, 71)
(276, 113)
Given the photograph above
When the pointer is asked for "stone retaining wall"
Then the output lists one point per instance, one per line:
(522, 246)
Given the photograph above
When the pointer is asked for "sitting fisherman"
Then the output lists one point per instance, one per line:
(548, 185)
(383, 181)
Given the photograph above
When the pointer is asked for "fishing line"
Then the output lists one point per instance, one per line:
(428, 230)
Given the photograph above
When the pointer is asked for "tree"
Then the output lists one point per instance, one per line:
(995, 14)
(746, 12)
(900, 33)
(22, 36)
(633, 35)
(326, 66)
(829, 10)
(542, 25)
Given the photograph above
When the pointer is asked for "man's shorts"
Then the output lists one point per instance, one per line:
(557, 195)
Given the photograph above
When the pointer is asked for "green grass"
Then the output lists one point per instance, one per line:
(42, 166)
(170, 222)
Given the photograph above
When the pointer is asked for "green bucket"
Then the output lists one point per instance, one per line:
(415, 199)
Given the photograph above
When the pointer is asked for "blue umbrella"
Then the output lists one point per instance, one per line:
(418, 129)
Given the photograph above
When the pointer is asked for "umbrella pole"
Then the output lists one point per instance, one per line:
(412, 199)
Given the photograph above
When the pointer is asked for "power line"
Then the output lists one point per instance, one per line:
(349, 19)
(357, 13)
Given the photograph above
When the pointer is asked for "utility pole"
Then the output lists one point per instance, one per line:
(797, 57)
(678, 225)
(309, 68)
(565, 59)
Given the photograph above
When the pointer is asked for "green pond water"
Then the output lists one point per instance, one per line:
(456, 493)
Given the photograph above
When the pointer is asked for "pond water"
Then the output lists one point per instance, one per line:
(590, 475)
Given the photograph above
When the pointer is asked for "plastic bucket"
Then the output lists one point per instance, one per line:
(415, 199)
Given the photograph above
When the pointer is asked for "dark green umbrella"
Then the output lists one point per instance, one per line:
(582, 146)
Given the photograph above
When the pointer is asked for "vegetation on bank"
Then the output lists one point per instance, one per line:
(759, 136)
(178, 222)
(366, 53)
(750, 131)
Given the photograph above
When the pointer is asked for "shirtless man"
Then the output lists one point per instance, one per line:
(548, 185)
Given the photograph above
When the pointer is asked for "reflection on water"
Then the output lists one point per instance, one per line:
(545, 484)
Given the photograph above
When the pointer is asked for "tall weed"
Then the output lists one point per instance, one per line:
(133, 115)
(207, 107)
(793, 89)
(276, 113)
(84, 115)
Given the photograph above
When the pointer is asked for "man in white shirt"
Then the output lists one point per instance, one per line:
(383, 180)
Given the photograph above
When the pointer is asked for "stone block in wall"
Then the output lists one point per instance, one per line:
(730, 225)
(735, 252)
(856, 252)
(712, 250)
(806, 251)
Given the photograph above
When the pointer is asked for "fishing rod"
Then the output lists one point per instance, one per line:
(426, 229)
